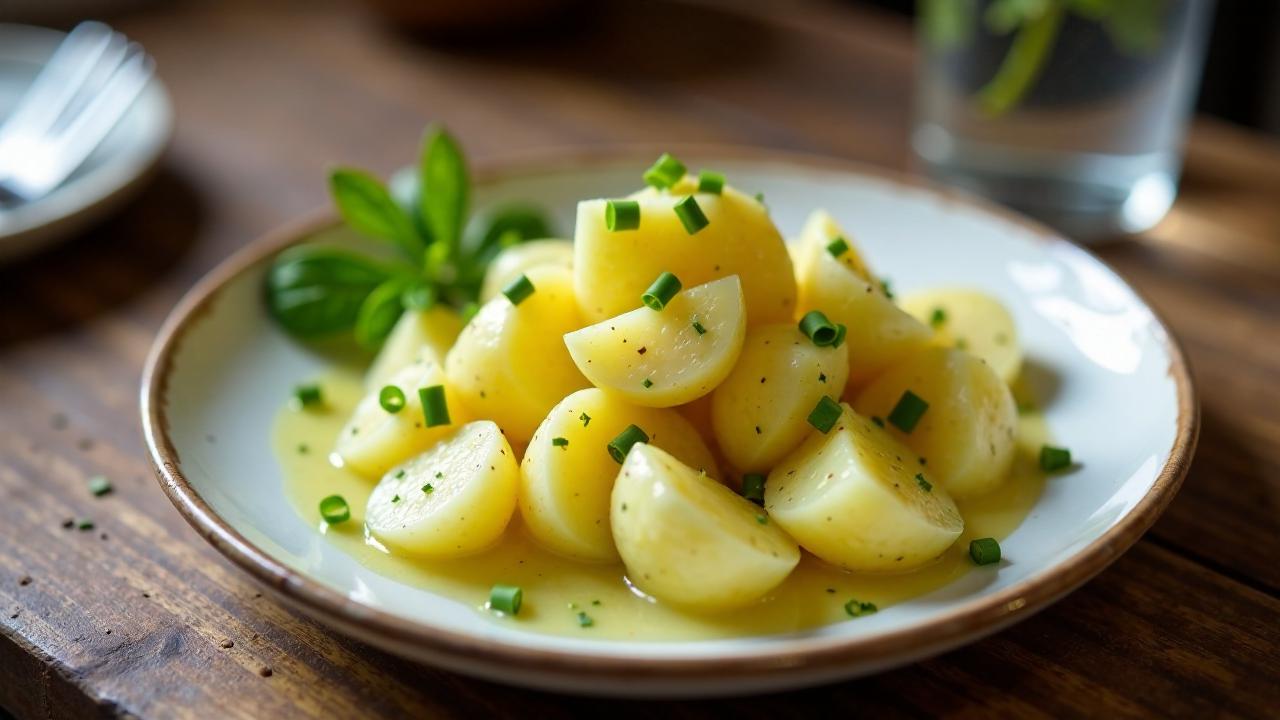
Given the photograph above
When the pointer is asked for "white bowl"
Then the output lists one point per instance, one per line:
(1113, 383)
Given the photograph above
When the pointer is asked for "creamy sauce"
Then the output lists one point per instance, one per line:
(557, 589)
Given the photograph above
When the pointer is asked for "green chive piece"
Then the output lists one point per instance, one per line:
(841, 331)
(506, 599)
(303, 448)
(621, 445)
(584, 620)
(818, 328)
(760, 198)
(439, 475)
(428, 489)
(857, 608)
(560, 442)
(710, 182)
(753, 487)
(399, 474)
(308, 395)
(984, 551)
(435, 409)
(518, 290)
(395, 499)
(334, 509)
(825, 414)
(665, 172)
(838, 247)
(938, 317)
(691, 216)
(469, 311)
(647, 383)
(99, 485)
(908, 411)
(762, 519)
(886, 286)
(585, 418)
(1054, 458)
(621, 215)
(697, 326)
(84, 524)
(924, 484)
(661, 291)
(391, 398)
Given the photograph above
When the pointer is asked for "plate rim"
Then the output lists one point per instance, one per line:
(952, 628)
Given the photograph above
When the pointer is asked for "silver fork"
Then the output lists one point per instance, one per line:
(80, 94)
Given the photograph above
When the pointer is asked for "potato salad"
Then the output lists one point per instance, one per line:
(681, 408)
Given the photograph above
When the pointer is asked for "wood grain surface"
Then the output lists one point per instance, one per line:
(139, 617)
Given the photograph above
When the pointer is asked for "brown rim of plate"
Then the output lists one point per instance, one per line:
(789, 654)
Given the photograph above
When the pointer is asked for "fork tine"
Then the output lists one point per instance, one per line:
(56, 84)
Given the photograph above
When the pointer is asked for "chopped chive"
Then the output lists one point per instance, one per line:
(697, 326)
(595, 602)
(924, 484)
(99, 485)
(334, 509)
(760, 197)
(647, 383)
(661, 291)
(665, 172)
(753, 487)
(937, 317)
(838, 247)
(506, 599)
(518, 290)
(395, 499)
(825, 414)
(560, 442)
(984, 551)
(84, 524)
(907, 413)
(886, 287)
(399, 473)
(857, 608)
(1054, 458)
(308, 395)
(584, 620)
(762, 519)
(439, 475)
(818, 328)
(391, 398)
(585, 418)
(428, 488)
(621, 445)
(435, 408)
(469, 310)
(621, 215)
(710, 182)
(841, 331)
(691, 216)
(303, 448)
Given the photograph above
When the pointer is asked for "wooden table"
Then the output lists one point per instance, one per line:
(139, 616)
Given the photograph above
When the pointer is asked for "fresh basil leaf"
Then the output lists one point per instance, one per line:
(444, 187)
(367, 206)
(316, 291)
(379, 313)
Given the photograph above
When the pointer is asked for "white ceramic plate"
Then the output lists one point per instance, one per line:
(1114, 384)
(107, 177)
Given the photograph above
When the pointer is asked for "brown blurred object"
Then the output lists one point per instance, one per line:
(435, 16)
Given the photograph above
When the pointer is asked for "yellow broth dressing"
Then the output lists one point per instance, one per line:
(557, 589)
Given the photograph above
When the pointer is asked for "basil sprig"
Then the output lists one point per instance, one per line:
(315, 291)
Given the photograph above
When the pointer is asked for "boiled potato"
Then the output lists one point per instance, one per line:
(418, 335)
(374, 439)
(820, 230)
(689, 540)
(967, 433)
(658, 358)
(564, 490)
(879, 332)
(455, 499)
(611, 270)
(516, 260)
(858, 498)
(970, 320)
(760, 411)
(510, 364)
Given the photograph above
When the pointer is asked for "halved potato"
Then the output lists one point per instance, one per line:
(564, 489)
(453, 500)
(658, 358)
(689, 540)
(973, 321)
(418, 335)
(510, 364)
(858, 498)
(612, 269)
(516, 260)
(760, 411)
(967, 435)
(374, 439)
